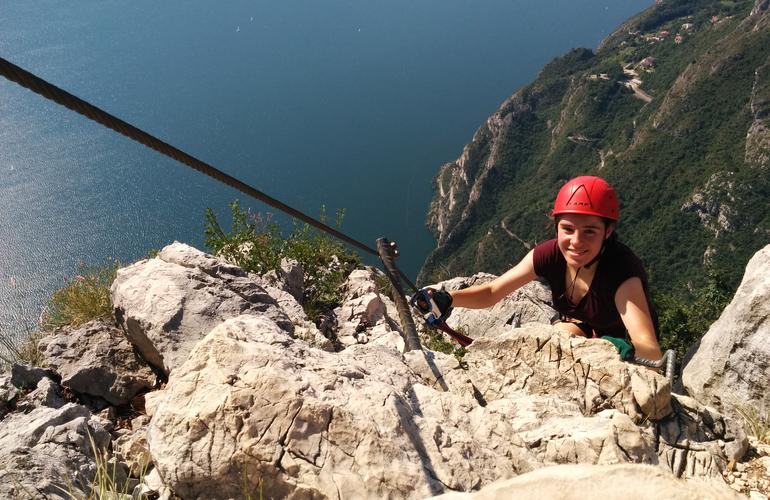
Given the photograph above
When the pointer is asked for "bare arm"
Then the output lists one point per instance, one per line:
(488, 294)
(631, 302)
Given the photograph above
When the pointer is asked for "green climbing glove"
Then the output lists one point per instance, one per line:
(625, 348)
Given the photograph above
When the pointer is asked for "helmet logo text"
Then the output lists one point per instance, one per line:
(583, 202)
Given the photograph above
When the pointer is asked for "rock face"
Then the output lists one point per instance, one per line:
(731, 365)
(47, 453)
(97, 360)
(168, 303)
(529, 304)
(306, 422)
(592, 482)
(254, 407)
(364, 314)
(459, 184)
(713, 203)
(8, 394)
(252, 404)
(584, 372)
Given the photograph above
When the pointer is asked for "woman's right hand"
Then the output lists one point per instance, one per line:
(433, 302)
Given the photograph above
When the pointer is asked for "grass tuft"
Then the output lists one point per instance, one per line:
(109, 482)
(758, 422)
(86, 297)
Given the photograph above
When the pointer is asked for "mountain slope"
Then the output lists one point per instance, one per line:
(672, 109)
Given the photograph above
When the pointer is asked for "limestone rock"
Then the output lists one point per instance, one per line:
(730, 366)
(191, 257)
(592, 482)
(153, 487)
(697, 441)
(251, 402)
(130, 448)
(529, 304)
(363, 309)
(382, 335)
(540, 359)
(310, 333)
(554, 380)
(48, 393)
(168, 303)
(433, 368)
(290, 278)
(758, 145)
(27, 377)
(8, 394)
(714, 202)
(97, 360)
(41, 451)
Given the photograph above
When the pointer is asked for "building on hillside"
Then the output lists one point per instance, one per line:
(687, 26)
(714, 19)
(678, 38)
(664, 34)
(647, 63)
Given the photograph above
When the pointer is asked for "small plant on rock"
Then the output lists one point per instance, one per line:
(21, 348)
(86, 297)
(256, 243)
(757, 422)
(436, 341)
(111, 479)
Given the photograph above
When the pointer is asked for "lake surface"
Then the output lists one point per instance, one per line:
(347, 104)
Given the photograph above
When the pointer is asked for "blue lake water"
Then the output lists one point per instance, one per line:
(347, 104)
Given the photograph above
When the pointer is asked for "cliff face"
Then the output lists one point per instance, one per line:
(673, 109)
(231, 390)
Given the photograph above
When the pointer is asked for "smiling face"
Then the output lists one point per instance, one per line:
(580, 237)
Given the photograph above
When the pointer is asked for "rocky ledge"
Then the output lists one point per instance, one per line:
(214, 382)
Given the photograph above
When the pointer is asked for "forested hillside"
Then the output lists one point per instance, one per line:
(672, 109)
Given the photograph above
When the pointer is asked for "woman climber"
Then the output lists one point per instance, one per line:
(599, 286)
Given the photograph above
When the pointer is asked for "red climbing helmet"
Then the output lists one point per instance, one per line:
(588, 195)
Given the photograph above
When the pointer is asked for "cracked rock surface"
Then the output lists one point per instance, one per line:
(529, 304)
(168, 303)
(47, 452)
(253, 404)
(97, 360)
(256, 405)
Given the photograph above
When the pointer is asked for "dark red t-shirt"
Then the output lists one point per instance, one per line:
(597, 307)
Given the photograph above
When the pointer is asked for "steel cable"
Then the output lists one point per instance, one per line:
(49, 91)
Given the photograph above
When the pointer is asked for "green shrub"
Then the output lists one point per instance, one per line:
(436, 341)
(684, 321)
(86, 297)
(257, 244)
